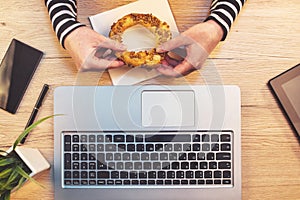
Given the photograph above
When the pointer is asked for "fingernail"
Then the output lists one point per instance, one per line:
(160, 49)
(123, 46)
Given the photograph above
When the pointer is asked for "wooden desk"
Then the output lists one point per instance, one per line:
(263, 42)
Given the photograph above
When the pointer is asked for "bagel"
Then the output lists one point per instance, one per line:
(149, 58)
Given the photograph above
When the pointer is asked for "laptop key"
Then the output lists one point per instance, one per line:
(196, 138)
(92, 182)
(198, 174)
(217, 174)
(114, 174)
(83, 165)
(129, 138)
(100, 138)
(102, 174)
(92, 174)
(120, 165)
(68, 174)
(214, 138)
(108, 138)
(140, 147)
(134, 182)
(119, 138)
(67, 143)
(75, 147)
(139, 138)
(126, 182)
(223, 156)
(226, 174)
(75, 174)
(171, 174)
(161, 174)
(226, 182)
(225, 147)
(68, 160)
(224, 165)
(180, 174)
(152, 174)
(142, 174)
(145, 156)
(110, 182)
(149, 147)
(101, 182)
(84, 182)
(118, 182)
(83, 138)
(75, 138)
(175, 165)
(92, 138)
(84, 174)
(225, 138)
(124, 174)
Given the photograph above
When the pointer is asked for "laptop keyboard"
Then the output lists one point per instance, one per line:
(147, 159)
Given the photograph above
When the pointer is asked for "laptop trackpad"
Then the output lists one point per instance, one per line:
(168, 108)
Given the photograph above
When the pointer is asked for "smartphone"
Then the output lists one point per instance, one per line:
(16, 70)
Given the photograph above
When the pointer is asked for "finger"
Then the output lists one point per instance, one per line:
(184, 68)
(96, 63)
(171, 61)
(173, 43)
(112, 44)
(181, 69)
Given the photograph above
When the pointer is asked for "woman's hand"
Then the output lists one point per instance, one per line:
(199, 41)
(92, 51)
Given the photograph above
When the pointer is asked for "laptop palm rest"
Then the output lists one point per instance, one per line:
(168, 108)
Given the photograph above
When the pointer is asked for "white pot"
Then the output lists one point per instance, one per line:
(33, 159)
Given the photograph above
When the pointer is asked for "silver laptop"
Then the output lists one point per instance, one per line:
(147, 142)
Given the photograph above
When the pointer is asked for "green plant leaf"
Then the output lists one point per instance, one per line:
(6, 161)
(12, 178)
(21, 181)
(27, 130)
(5, 173)
(5, 196)
(25, 175)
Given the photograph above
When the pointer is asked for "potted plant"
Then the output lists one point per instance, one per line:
(19, 164)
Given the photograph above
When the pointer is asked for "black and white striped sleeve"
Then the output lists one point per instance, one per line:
(224, 13)
(63, 15)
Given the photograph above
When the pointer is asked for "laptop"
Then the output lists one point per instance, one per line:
(147, 142)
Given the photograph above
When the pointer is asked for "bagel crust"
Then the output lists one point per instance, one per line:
(148, 58)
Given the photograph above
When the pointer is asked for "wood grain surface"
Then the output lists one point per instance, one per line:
(263, 42)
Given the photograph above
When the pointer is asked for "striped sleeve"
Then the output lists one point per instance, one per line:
(63, 15)
(224, 13)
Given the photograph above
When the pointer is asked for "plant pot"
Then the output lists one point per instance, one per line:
(29, 161)
(33, 159)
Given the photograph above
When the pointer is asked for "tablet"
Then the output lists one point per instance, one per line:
(286, 88)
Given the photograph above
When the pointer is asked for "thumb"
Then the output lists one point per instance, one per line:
(113, 45)
(173, 43)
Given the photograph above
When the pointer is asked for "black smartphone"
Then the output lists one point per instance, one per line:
(16, 70)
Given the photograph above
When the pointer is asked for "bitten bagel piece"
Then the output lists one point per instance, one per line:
(149, 58)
